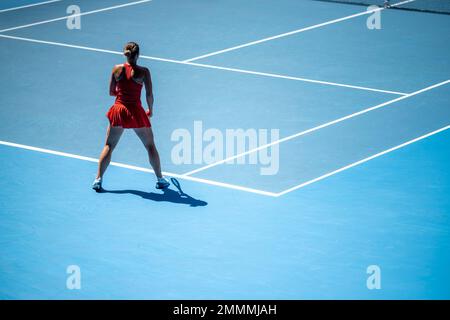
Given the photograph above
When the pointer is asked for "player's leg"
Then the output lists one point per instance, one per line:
(146, 136)
(113, 135)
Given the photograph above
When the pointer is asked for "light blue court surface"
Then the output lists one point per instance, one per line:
(362, 154)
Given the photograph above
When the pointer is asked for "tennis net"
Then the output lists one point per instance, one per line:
(434, 6)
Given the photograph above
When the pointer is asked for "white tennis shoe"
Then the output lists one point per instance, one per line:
(162, 183)
(97, 184)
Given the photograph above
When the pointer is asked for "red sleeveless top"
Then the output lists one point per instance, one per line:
(127, 111)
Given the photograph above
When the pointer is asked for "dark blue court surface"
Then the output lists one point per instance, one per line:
(359, 161)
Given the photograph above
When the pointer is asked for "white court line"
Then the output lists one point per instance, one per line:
(226, 185)
(29, 5)
(362, 161)
(67, 45)
(248, 44)
(316, 128)
(75, 15)
(131, 167)
(270, 75)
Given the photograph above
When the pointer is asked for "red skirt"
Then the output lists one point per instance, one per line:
(133, 116)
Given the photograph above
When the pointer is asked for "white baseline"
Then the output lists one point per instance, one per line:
(227, 185)
(136, 168)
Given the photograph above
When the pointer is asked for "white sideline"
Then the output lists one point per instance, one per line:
(226, 185)
(29, 5)
(354, 164)
(136, 168)
(270, 75)
(248, 44)
(317, 128)
(75, 15)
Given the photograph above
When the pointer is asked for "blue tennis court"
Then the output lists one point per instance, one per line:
(309, 149)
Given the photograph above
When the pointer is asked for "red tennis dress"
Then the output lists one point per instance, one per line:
(127, 111)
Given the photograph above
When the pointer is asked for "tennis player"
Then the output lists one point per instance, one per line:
(127, 112)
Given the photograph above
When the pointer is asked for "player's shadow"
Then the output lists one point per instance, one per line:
(167, 195)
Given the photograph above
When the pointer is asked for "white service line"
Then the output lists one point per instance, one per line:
(270, 75)
(29, 5)
(248, 44)
(76, 15)
(136, 168)
(60, 44)
(304, 184)
(317, 128)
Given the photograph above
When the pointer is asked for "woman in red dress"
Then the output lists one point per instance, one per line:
(127, 112)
